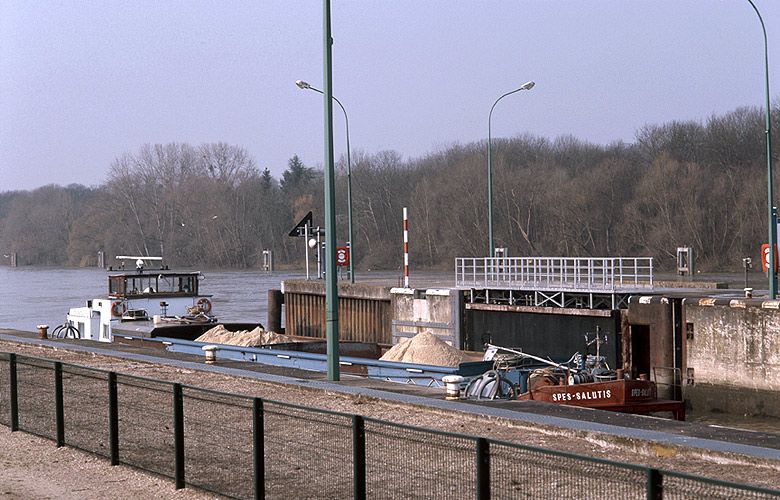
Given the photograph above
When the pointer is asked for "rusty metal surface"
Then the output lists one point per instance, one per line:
(362, 320)
(568, 311)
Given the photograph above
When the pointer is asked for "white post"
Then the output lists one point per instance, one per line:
(319, 258)
(306, 240)
(406, 248)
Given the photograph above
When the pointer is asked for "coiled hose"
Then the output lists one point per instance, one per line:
(491, 385)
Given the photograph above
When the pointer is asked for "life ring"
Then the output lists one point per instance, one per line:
(118, 309)
(204, 305)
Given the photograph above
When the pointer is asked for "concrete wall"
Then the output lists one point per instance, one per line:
(656, 314)
(436, 310)
(733, 355)
(660, 353)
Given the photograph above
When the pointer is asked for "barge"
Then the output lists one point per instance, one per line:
(355, 358)
(581, 381)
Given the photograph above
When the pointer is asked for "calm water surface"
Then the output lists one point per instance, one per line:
(30, 296)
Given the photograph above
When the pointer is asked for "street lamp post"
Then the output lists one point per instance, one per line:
(772, 227)
(525, 86)
(304, 85)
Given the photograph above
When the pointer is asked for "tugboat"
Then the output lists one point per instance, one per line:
(145, 302)
(581, 381)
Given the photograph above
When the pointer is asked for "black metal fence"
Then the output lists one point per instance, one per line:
(247, 447)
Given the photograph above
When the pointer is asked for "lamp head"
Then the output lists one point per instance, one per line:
(302, 85)
(527, 86)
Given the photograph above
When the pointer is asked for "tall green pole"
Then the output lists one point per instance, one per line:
(525, 86)
(772, 226)
(331, 284)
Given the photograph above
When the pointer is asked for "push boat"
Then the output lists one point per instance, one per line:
(145, 302)
(585, 381)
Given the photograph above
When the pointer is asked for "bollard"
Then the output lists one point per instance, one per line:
(211, 354)
(452, 384)
(43, 331)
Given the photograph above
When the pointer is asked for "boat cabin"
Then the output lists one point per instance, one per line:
(153, 284)
(145, 296)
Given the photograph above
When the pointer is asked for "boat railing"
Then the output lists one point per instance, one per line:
(608, 274)
(140, 294)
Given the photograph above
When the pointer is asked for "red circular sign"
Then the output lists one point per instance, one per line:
(342, 256)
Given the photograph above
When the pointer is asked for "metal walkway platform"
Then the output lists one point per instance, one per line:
(593, 283)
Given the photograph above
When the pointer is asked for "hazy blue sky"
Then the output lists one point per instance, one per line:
(82, 82)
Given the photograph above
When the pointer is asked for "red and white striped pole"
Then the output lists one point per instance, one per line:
(406, 248)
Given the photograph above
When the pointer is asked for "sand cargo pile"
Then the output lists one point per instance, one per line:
(425, 349)
(247, 338)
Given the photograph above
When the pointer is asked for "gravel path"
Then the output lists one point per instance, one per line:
(33, 467)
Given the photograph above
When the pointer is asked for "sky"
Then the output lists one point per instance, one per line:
(85, 82)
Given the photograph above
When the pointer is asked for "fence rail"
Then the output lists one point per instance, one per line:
(607, 274)
(245, 447)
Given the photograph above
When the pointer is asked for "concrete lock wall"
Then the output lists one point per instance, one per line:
(733, 355)
(364, 311)
(438, 311)
(652, 342)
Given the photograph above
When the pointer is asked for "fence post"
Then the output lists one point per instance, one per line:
(483, 469)
(359, 457)
(13, 394)
(59, 406)
(178, 436)
(655, 484)
(258, 447)
(113, 418)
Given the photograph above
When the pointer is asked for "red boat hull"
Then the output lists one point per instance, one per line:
(595, 394)
(630, 396)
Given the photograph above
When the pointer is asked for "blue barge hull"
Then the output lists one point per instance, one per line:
(291, 356)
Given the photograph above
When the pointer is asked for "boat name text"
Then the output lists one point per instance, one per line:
(582, 396)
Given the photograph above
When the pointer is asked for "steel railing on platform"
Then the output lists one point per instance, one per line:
(247, 447)
(585, 274)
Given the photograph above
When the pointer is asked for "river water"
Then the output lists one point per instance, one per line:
(30, 296)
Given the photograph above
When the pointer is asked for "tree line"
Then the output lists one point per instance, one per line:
(682, 183)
